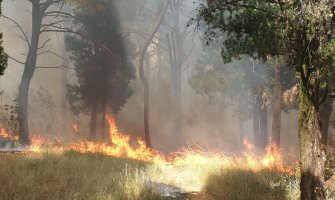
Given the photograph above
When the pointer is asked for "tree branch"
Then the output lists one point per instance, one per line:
(20, 62)
(20, 27)
(55, 67)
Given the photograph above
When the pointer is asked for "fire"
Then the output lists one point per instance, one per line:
(119, 145)
(248, 145)
(271, 159)
(6, 135)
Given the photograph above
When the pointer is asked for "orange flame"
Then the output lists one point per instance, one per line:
(6, 135)
(119, 145)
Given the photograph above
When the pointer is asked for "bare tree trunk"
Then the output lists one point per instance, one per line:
(177, 51)
(144, 80)
(93, 124)
(311, 153)
(263, 123)
(277, 102)
(29, 69)
(255, 117)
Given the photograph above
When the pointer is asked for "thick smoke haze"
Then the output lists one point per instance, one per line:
(211, 124)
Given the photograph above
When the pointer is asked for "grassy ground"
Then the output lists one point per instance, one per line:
(72, 176)
(241, 184)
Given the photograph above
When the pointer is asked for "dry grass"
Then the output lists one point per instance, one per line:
(225, 178)
(241, 184)
(72, 176)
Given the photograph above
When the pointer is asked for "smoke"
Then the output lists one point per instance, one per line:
(211, 124)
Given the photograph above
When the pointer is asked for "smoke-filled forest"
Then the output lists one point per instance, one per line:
(167, 99)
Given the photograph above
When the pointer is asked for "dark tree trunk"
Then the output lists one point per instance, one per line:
(145, 84)
(277, 103)
(263, 122)
(29, 69)
(311, 153)
(93, 124)
(142, 74)
(325, 112)
(105, 134)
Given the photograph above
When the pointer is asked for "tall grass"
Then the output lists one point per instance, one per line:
(242, 184)
(72, 176)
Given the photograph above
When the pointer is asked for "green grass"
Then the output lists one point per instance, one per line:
(72, 176)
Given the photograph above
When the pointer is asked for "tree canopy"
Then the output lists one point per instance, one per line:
(102, 65)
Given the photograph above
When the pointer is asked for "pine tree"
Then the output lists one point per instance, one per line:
(101, 60)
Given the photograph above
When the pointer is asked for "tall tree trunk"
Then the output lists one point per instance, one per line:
(263, 122)
(29, 69)
(277, 103)
(325, 111)
(241, 123)
(142, 74)
(311, 153)
(159, 66)
(255, 117)
(177, 44)
(93, 124)
(105, 134)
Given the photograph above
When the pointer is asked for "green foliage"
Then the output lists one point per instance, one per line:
(300, 31)
(3, 55)
(100, 55)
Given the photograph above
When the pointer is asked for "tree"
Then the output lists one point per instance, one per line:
(142, 74)
(301, 32)
(3, 55)
(47, 16)
(101, 62)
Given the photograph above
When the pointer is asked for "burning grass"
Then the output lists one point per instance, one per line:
(119, 170)
(73, 175)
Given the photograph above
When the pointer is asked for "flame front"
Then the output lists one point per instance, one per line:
(119, 145)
